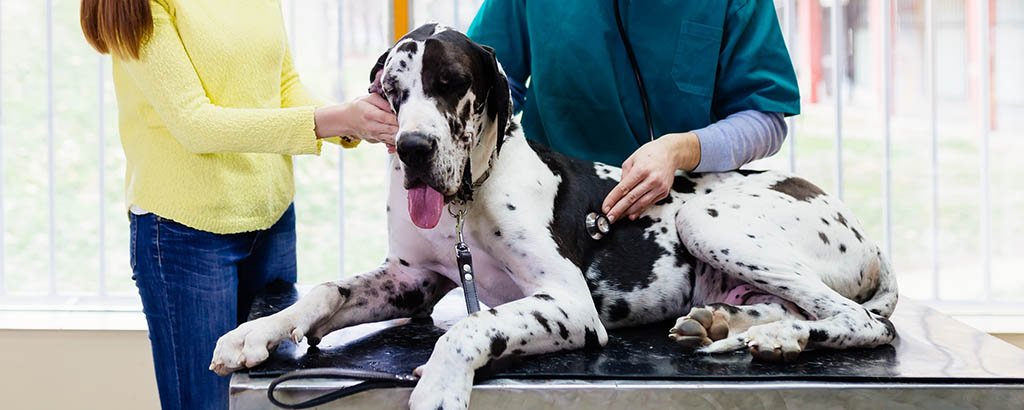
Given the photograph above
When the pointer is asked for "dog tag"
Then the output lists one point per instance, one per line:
(465, 261)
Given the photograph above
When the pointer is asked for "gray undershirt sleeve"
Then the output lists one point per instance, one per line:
(738, 139)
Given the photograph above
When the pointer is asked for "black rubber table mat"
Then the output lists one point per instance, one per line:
(931, 348)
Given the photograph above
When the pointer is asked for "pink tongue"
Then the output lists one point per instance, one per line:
(425, 206)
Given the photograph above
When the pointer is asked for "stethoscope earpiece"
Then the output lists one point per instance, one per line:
(597, 225)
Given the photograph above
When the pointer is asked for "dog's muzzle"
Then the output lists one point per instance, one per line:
(416, 151)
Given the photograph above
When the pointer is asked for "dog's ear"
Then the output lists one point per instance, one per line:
(379, 65)
(498, 96)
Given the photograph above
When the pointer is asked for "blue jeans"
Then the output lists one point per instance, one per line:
(197, 286)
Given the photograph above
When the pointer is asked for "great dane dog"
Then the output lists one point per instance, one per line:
(754, 260)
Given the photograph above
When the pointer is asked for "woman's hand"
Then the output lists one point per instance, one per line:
(647, 175)
(368, 118)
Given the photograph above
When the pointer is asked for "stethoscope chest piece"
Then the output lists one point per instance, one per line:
(597, 225)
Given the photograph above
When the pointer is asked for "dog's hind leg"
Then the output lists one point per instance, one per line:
(390, 291)
(797, 261)
(548, 321)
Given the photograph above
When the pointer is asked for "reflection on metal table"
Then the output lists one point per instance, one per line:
(935, 363)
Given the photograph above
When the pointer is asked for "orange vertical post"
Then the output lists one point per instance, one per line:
(400, 17)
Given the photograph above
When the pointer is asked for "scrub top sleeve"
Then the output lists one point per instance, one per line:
(501, 25)
(755, 71)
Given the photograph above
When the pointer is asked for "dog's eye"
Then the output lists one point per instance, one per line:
(454, 79)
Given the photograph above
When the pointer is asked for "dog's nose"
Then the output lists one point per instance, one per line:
(415, 149)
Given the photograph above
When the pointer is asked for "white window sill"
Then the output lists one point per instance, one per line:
(72, 320)
(996, 318)
(71, 312)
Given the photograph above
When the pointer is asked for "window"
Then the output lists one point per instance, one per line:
(951, 217)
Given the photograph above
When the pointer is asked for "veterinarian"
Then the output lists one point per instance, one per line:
(717, 75)
(211, 112)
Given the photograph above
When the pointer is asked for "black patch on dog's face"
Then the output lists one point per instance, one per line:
(798, 188)
(463, 82)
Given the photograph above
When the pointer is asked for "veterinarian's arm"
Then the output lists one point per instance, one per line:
(738, 139)
(755, 71)
(726, 145)
(165, 75)
(754, 89)
(501, 25)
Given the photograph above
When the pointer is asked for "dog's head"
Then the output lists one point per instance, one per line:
(452, 101)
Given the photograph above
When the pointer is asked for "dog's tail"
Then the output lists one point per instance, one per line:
(883, 302)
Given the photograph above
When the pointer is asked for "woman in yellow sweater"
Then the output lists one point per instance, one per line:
(211, 111)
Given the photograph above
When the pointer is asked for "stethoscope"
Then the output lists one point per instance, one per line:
(596, 222)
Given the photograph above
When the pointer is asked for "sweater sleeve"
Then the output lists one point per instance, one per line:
(295, 94)
(165, 75)
(738, 139)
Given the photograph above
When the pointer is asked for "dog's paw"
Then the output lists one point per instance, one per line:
(250, 344)
(700, 328)
(778, 341)
(446, 388)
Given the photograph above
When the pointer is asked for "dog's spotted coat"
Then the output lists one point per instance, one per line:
(791, 261)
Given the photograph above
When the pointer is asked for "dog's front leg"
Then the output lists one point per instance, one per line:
(545, 322)
(388, 292)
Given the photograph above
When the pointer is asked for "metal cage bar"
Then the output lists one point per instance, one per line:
(49, 147)
(887, 123)
(934, 142)
(787, 29)
(455, 15)
(3, 279)
(102, 291)
(341, 153)
(984, 115)
(837, 87)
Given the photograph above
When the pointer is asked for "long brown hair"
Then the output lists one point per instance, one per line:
(120, 27)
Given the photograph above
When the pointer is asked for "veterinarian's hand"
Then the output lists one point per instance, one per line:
(647, 175)
(368, 118)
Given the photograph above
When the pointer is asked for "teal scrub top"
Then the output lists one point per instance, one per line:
(701, 60)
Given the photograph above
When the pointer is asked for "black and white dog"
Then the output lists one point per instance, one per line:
(745, 260)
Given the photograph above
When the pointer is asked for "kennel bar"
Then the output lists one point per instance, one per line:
(455, 15)
(984, 93)
(787, 35)
(341, 153)
(837, 87)
(49, 146)
(933, 131)
(100, 83)
(3, 280)
(886, 17)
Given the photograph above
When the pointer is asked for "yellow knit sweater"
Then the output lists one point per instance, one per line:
(211, 113)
